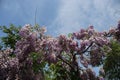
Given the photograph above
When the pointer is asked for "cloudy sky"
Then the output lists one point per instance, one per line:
(61, 16)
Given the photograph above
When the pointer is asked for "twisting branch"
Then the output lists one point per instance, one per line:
(87, 48)
(65, 62)
(82, 51)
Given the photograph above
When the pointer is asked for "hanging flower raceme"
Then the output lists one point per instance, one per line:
(9, 66)
(117, 34)
(51, 57)
(27, 43)
(24, 32)
(52, 50)
(13, 63)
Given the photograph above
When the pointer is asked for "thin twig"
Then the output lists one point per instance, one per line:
(66, 62)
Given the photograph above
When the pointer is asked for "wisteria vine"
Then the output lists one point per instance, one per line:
(78, 52)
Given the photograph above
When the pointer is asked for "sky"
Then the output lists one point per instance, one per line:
(61, 16)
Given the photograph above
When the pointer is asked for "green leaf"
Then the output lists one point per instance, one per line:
(70, 35)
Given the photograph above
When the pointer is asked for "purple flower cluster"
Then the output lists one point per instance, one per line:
(8, 66)
(87, 43)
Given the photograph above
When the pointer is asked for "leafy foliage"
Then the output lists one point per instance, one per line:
(11, 36)
(112, 62)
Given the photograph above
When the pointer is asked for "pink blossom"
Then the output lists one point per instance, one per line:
(24, 32)
(112, 31)
(51, 58)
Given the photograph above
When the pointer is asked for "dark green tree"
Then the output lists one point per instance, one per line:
(112, 62)
(11, 36)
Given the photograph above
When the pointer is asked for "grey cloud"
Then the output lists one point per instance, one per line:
(76, 14)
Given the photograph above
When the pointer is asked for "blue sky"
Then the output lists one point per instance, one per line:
(61, 16)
